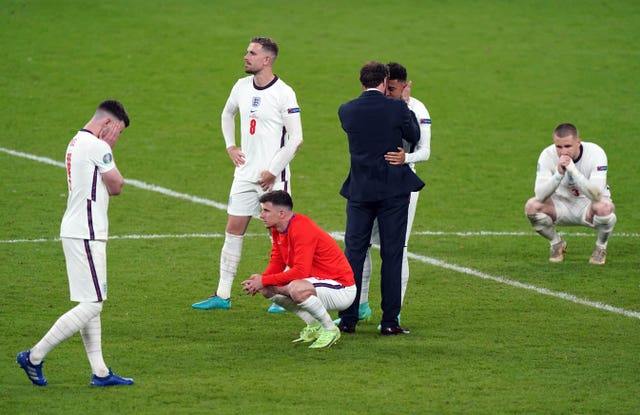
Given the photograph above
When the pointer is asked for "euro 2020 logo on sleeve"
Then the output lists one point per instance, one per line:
(107, 158)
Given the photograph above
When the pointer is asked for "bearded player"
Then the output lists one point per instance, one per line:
(271, 133)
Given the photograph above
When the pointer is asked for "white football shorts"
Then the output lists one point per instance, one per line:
(333, 295)
(86, 269)
(244, 197)
(571, 211)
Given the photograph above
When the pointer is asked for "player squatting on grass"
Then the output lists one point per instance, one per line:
(571, 189)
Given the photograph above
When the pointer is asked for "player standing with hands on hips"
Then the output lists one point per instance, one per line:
(571, 189)
(92, 177)
(271, 133)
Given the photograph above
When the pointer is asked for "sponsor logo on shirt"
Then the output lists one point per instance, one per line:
(601, 168)
(293, 110)
(107, 158)
(425, 121)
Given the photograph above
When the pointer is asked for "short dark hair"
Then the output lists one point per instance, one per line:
(278, 198)
(268, 44)
(397, 72)
(564, 130)
(373, 73)
(115, 108)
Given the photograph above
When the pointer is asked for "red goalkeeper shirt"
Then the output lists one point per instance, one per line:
(308, 251)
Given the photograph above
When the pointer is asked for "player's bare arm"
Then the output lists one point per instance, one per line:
(267, 180)
(114, 181)
(236, 155)
(253, 284)
(395, 158)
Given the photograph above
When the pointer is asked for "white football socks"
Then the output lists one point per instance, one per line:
(290, 305)
(229, 260)
(314, 306)
(604, 225)
(92, 338)
(66, 326)
(405, 273)
(366, 278)
(367, 270)
(543, 224)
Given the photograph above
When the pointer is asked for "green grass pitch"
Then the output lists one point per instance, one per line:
(496, 329)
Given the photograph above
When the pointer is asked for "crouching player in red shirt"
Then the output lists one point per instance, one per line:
(308, 273)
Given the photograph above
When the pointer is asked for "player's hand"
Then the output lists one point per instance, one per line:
(253, 284)
(563, 162)
(111, 132)
(267, 180)
(236, 155)
(395, 157)
(406, 92)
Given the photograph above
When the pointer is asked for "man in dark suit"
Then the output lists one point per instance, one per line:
(376, 125)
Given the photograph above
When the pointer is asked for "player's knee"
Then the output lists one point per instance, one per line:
(540, 220)
(92, 309)
(605, 221)
(604, 207)
(532, 206)
(300, 290)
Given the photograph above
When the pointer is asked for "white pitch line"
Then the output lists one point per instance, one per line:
(151, 236)
(39, 159)
(494, 233)
(507, 281)
(513, 283)
(131, 182)
(340, 236)
(173, 193)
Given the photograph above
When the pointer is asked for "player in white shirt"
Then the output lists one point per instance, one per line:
(399, 88)
(92, 176)
(270, 135)
(571, 189)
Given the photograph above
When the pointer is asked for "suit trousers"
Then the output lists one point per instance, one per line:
(392, 216)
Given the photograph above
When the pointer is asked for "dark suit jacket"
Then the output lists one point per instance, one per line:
(375, 125)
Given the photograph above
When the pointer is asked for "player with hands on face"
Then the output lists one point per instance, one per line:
(571, 189)
(92, 177)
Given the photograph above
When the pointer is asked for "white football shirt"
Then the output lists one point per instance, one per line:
(265, 112)
(87, 159)
(422, 149)
(592, 164)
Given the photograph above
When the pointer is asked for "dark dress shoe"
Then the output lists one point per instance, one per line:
(346, 329)
(390, 331)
